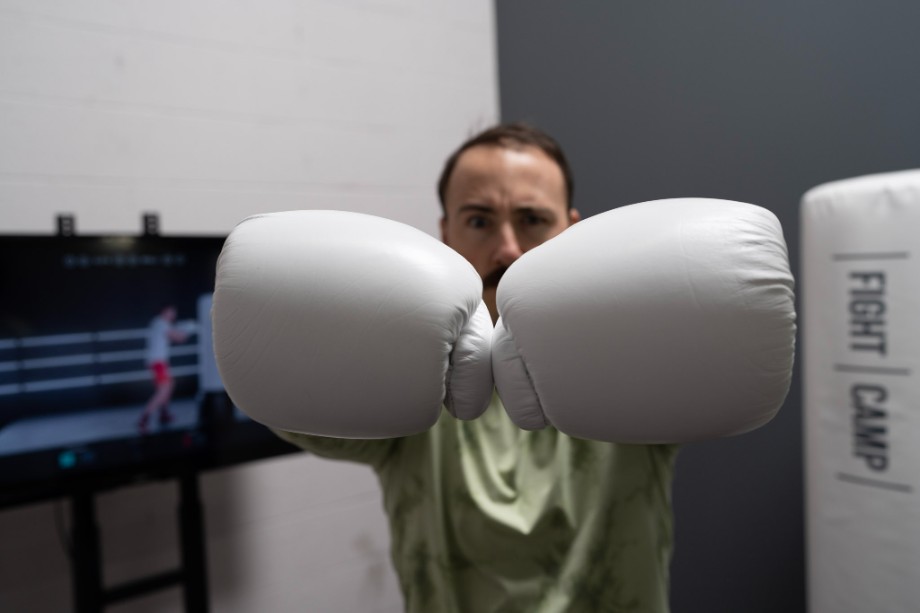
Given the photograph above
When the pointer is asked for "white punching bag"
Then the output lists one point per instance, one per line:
(860, 289)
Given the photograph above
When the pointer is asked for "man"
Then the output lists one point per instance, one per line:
(161, 333)
(486, 517)
(504, 192)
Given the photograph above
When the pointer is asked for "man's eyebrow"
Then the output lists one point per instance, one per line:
(530, 209)
(476, 208)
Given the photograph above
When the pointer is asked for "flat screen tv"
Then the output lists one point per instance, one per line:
(79, 322)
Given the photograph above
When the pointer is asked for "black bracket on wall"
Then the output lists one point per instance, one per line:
(66, 224)
(151, 224)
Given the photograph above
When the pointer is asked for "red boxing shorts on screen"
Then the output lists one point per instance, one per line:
(161, 372)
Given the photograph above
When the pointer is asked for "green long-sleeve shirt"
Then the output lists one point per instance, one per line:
(487, 518)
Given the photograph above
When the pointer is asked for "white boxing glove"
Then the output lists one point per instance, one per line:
(662, 322)
(348, 325)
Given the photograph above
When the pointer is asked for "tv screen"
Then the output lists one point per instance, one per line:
(106, 368)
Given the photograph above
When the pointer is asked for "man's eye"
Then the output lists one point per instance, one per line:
(477, 221)
(532, 219)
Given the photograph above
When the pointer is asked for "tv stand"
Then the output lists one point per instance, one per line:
(91, 596)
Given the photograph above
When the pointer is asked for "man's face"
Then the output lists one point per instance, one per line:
(501, 202)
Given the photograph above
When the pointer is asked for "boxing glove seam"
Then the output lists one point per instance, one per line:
(448, 385)
(519, 357)
(533, 385)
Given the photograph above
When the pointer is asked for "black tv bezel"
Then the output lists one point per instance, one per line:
(126, 461)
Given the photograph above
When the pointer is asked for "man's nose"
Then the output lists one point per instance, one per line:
(509, 248)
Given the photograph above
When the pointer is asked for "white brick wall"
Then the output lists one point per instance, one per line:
(210, 111)
(207, 112)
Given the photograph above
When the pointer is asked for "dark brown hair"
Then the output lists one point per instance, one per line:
(512, 135)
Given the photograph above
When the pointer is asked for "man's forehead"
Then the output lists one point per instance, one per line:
(489, 160)
(489, 167)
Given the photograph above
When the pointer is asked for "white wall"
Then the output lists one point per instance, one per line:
(207, 112)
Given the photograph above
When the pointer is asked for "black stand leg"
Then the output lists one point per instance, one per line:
(194, 557)
(90, 596)
(86, 564)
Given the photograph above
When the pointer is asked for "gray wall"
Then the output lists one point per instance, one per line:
(747, 101)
